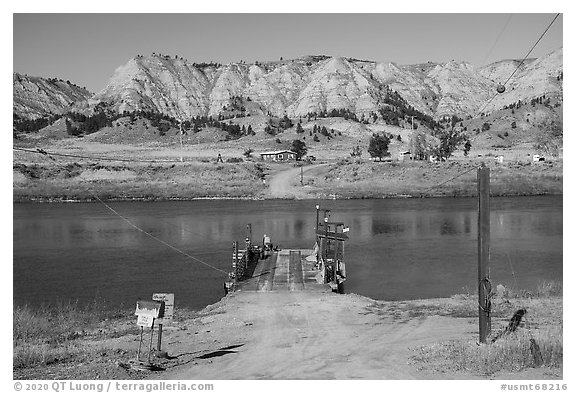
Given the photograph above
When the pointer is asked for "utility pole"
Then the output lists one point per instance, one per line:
(484, 287)
(301, 176)
(181, 145)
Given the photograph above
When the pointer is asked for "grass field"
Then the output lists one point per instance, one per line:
(84, 181)
(511, 352)
(39, 178)
(368, 179)
(164, 176)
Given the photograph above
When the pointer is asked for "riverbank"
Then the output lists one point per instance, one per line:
(344, 179)
(303, 335)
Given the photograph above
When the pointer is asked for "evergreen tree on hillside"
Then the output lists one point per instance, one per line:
(378, 146)
(299, 147)
(299, 129)
(467, 147)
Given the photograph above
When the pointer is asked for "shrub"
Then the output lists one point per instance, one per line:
(46, 335)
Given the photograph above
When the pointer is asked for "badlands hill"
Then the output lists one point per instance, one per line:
(36, 97)
(296, 87)
(311, 84)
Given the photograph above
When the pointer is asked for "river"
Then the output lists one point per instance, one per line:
(398, 248)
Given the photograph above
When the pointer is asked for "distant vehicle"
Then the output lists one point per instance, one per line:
(311, 158)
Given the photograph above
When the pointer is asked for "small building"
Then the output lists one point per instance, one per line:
(402, 155)
(280, 155)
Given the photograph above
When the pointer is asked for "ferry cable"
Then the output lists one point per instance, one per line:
(449, 180)
(520, 64)
(50, 154)
(497, 38)
(47, 154)
(158, 239)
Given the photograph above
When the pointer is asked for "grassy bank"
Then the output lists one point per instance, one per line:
(367, 179)
(82, 181)
(51, 334)
(345, 179)
(510, 353)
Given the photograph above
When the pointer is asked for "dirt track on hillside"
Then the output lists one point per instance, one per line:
(286, 184)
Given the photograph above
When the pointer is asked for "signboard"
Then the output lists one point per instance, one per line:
(168, 299)
(149, 307)
(145, 320)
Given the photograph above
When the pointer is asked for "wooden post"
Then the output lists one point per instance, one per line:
(235, 262)
(150, 346)
(140, 344)
(159, 348)
(301, 176)
(484, 251)
(326, 214)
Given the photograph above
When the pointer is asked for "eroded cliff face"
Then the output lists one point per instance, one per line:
(35, 97)
(534, 78)
(170, 86)
(295, 87)
(318, 83)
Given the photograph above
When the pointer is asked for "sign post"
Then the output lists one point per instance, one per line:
(147, 312)
(168, 316)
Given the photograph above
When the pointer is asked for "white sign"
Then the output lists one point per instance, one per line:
(168, 299)
(145, 320)
(147, 307)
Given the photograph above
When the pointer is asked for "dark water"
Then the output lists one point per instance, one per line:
(398, 249)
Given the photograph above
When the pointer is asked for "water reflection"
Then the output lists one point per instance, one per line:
(381, 226)
(398, 249)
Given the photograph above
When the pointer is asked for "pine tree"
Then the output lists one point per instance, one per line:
(378, 146)
(467, 147)
(299, 148)
(299, 129)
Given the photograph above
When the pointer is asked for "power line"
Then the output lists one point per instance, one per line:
(520, 64)
(497, 38)
(95, 158)
(534, 46)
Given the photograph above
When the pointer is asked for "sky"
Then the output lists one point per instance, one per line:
(87, 48)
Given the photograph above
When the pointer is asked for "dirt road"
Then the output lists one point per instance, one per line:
(286, 184)
(306, 335)
(285, 324)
